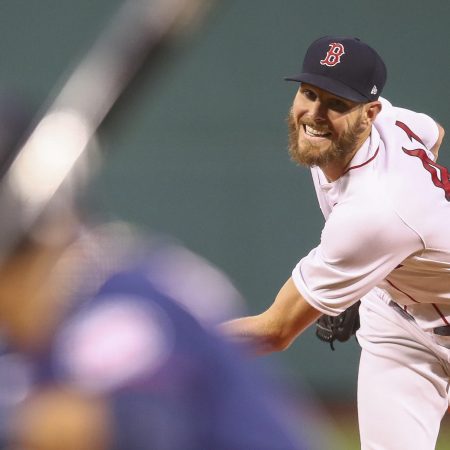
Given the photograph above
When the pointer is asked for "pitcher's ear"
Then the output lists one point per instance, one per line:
(372, 110)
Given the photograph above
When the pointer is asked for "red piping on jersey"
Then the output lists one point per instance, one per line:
(364, 163)
(395, 287)
(440, 313)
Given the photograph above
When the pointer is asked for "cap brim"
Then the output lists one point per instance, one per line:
(329, 85)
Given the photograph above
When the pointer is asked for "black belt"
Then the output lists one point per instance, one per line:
(442, 331)
(439, 331)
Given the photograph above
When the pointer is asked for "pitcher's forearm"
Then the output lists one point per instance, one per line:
(253, 332)
(277, 327)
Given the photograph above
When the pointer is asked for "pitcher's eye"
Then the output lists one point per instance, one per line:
(310, 95)
(339, 105)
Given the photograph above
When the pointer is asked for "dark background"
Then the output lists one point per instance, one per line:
(198, 149)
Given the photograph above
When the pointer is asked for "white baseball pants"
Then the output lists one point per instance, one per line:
(403, 382)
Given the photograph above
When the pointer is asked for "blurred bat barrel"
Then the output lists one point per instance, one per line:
(58, 142)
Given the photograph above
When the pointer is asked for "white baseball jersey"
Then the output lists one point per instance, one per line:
(387, 225)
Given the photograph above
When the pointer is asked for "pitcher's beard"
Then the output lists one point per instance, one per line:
(311, 155)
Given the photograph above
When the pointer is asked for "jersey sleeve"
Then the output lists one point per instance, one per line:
(424, 126)
(356, 252)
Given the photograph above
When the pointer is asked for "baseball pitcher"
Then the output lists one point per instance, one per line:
(385, 242)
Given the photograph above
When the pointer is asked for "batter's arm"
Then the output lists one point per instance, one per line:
(436, 146)
(277, 327)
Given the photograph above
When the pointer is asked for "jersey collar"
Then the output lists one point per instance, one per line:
(364, 156)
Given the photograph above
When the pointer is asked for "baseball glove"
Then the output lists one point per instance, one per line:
(341, 327)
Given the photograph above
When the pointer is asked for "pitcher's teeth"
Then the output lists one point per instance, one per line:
(314, 132)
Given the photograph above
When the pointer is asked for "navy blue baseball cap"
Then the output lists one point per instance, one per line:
(344, 66)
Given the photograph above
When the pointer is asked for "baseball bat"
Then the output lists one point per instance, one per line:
(61, 135)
